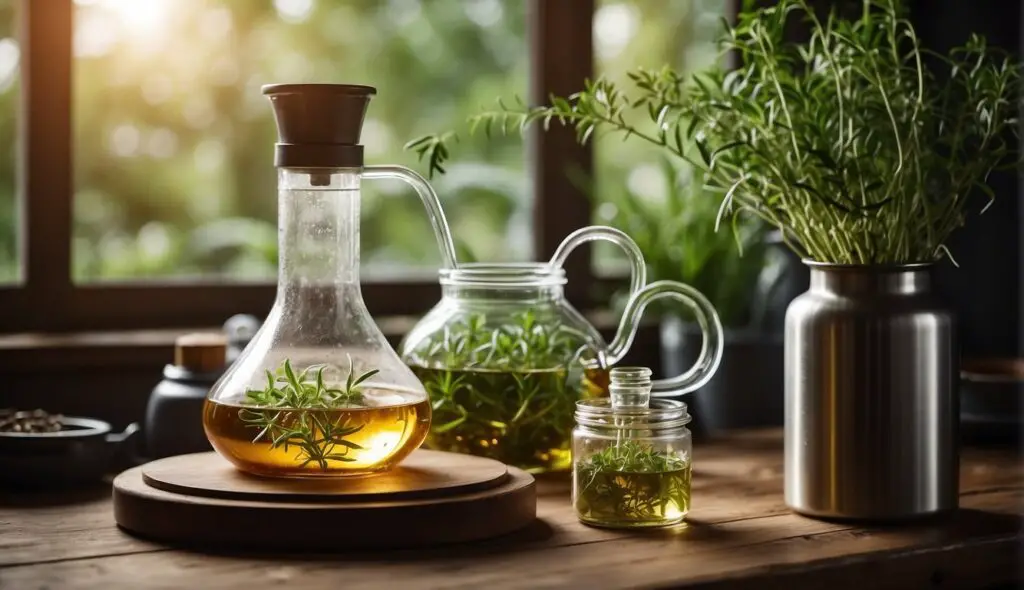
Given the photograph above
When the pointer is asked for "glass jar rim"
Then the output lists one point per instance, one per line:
(511, 275)
(660, 414)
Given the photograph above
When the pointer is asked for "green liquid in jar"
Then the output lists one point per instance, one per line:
(521, 418)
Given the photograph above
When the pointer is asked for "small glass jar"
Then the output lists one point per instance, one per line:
(631, 456)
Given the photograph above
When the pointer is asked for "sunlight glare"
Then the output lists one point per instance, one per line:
(380, 447)
(293, 11)
(9, 60)
(615, 25)
(139, 16)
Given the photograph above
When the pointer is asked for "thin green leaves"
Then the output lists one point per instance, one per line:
(630, 481)
(858, 152)
(301, 414)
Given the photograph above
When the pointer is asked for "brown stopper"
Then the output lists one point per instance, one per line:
(318, 125)
(201, 353)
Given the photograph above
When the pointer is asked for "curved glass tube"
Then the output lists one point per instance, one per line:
(711, 327)
(637, 268)
(430, 202)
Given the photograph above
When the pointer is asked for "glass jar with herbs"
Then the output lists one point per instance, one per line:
(631, 456)
(504, 357)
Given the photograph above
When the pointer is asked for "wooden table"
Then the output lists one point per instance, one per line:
(739, 535)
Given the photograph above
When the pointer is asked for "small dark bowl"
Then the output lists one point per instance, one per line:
(992, 398)
(83, 452)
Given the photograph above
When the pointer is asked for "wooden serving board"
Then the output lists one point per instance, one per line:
(431, 498)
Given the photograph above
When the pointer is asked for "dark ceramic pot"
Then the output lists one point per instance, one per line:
(992, 400)
(174, 415)
(746, 392)
(83, 452)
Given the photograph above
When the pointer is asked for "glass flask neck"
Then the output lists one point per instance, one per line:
(318, 227)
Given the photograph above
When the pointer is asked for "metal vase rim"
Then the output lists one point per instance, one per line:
(875, 268)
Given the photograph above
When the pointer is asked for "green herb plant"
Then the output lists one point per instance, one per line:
(630, 482)
(504, 389)
(521, 343)
(859, 144)
(295, 410)
(678, 239)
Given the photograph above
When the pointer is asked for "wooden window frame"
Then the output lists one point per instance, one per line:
(47, 299)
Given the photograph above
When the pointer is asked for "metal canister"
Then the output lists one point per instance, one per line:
(871, 405)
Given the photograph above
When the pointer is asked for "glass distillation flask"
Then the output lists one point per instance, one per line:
(318, 391)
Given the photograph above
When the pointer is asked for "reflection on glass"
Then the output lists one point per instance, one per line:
(10, 262)
(644, 33)
(174, 142)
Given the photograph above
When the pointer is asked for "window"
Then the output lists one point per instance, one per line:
(650, 34)
(10, 263)
(173, 140)
(149, 191)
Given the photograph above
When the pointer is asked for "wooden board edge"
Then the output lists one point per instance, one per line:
(195, 522)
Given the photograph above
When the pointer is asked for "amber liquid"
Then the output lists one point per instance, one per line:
(372, 439)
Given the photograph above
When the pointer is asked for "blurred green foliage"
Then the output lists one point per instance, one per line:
(10, 270)
(655, 200)
(174, 142)
(651, 34)
(675, 229)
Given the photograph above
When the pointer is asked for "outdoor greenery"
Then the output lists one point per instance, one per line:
(9, 89)
(679, 241)
(173, 141)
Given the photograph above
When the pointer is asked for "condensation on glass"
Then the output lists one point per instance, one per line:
(318, 391)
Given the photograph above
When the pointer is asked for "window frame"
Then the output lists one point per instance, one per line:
(47, 299)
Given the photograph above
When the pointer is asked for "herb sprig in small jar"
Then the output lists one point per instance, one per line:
(631, 456)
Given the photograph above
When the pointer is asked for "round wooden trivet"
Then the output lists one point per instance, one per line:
(424, 474)
(281, 519)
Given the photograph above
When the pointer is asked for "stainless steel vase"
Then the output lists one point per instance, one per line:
(871, 406)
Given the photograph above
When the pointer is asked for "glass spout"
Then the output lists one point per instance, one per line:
(430, 201)
(707, 318)
(630, 387)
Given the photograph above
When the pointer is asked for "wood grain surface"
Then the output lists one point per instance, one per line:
(424, 474)
(739, 535)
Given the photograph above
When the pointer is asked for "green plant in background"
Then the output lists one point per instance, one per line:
(293, 411)
(676, 233)
(630, 481)
(504, 391)
(858, 144)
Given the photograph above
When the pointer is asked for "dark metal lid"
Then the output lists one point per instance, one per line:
(318, 125)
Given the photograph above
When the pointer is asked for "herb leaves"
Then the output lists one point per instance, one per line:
(859, 144)
(300, 410)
